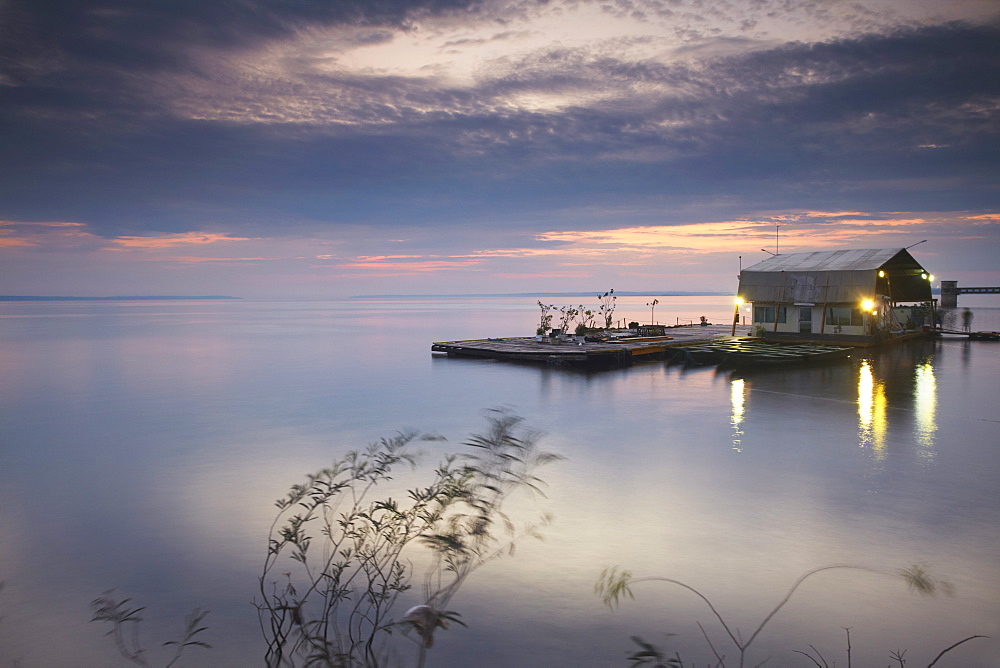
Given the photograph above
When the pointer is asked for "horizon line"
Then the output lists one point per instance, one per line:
(624, 293)
(42, 298)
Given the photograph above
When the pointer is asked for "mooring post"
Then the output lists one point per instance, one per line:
(949, 294)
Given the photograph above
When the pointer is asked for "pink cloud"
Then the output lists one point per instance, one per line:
(46, 235)
(545, 274)
(398, 268)
(173, 240)
(379, 258)
(15, 241)
(195, 258)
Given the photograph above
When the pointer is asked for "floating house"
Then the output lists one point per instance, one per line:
(861, 297)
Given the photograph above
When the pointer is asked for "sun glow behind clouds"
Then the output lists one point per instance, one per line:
(458, 52)
(803, 230)
(562, 251)
(721, 236)
(689, 256)
(538, 57)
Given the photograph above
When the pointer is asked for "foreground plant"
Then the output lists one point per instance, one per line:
(339, 558)
(614, 585)
(125, 622)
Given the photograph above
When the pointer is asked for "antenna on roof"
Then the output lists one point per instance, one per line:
(767, 251)
(916, 244)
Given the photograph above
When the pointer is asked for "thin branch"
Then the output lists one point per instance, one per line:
(795, 586)
(808, 656)
(703, 598)
(948, 649)
(710, 645)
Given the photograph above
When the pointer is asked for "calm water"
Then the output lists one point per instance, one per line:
(142, 445)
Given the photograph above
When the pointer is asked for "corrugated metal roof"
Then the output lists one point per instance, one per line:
(841, 276)
(838, 260)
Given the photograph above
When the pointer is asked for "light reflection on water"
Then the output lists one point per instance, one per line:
(737, 398)
(925, 407)
(143, 446)
(872, 421)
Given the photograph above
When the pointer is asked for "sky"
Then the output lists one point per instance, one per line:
(332, 148)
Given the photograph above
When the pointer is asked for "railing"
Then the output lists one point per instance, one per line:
(978, 291)
(950, 292)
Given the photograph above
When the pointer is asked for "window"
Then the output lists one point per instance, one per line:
(766, 314)
(844, 316)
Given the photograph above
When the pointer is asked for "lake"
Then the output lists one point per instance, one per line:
(143, 444)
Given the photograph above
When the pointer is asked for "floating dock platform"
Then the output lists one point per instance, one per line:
(973, 336)
(613, 353)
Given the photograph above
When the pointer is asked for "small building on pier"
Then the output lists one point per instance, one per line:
(852, 296)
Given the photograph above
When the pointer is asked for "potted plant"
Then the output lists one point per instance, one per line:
(566, 316)
(545, 324)
(607, 307)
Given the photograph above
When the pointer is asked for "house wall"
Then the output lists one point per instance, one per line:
(845, 319)
(912, 317)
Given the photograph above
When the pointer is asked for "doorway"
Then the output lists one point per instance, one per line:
(805, 319)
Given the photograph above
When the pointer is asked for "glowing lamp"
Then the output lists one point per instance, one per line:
(923, 276)
(868, 305)
(739, 301)
(881, 274)
(930, 277)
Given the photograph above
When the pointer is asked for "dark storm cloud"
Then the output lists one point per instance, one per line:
(157, 33)
(867, 107)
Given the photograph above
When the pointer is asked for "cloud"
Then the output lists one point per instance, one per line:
(156, 36)
(198, 259)
(174, 240)
(71, 236)
(45, 235)
(11, 242)
(623, 130)
(415, 267)
(985, 219)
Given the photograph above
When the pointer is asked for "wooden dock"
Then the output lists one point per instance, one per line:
(974, 336)
(615, 353)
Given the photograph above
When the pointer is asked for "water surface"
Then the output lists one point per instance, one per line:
(143, 445)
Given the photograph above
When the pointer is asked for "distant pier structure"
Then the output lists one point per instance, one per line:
(950, 292)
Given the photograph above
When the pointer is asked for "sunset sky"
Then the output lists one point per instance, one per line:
(317, 149)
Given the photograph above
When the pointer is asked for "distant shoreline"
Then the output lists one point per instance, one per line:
(17, 298)
(651, 293)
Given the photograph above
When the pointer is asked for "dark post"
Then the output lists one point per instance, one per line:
(949, 294)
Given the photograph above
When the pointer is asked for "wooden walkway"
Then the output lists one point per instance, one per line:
(586, 354)
(975, 336)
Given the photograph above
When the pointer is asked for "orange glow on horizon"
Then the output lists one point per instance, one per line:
(984, 219)
(798, 230)
(172, 240)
